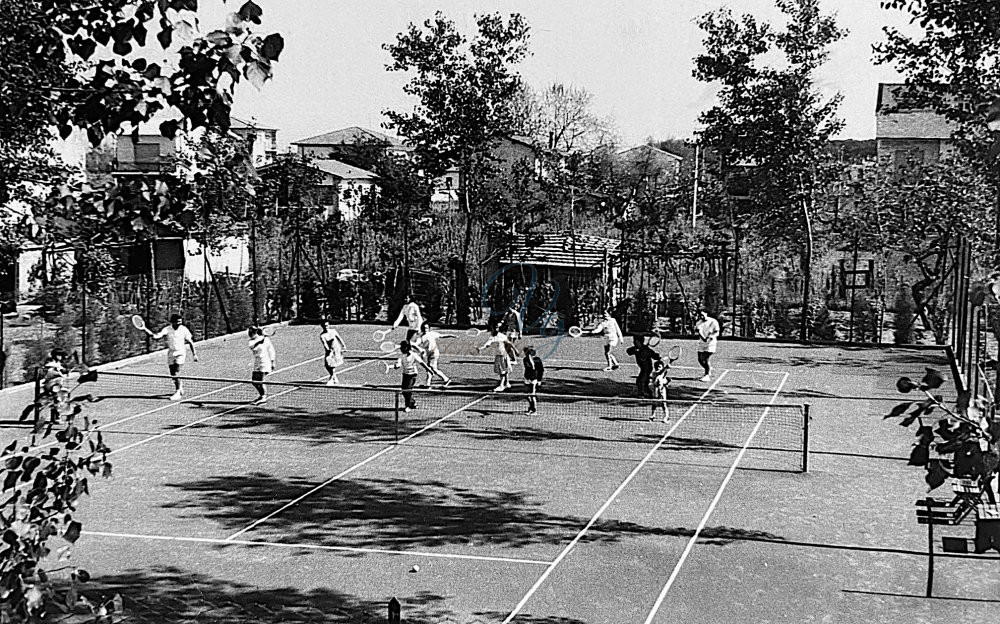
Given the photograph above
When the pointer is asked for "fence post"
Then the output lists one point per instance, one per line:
(805, 438)
(394, 611)
(38, 398)
(930, 547)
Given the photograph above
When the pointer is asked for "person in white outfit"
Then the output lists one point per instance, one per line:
(414, 319)
(612, 333)
(708, 342)
(177, 337)
(264, 360)
(333, 350)
(427, 344)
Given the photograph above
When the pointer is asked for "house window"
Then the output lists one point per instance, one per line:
(908, 157)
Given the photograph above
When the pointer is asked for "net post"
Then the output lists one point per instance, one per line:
(38, 396)
(930, 547)
(395, 429)
(805, 438)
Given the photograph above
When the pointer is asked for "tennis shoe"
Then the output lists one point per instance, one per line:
(176, 396)
(608, 369)
(616, 367)
(260, 400)
(407, 409)
(331, 382)
(447, 382)
(706, 378)
(500, 388)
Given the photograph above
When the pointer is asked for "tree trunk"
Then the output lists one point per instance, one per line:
(806, 270)
(462, 311)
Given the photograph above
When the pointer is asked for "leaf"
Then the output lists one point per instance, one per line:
(250, 12)
(257, 73)
(931, 380)
(898, 410)
(919, 456)
(272, 47)
(926, 435)
(72, 532)
(106, 471)
(219, 38)
(169, 130)
(936, 474)
(906, 385)
(909, 420)
(166, 34)
(28, 411)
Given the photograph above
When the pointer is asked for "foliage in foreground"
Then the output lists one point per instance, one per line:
(963, 444)
(43, 481)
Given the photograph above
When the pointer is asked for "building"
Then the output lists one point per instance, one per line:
(348, 144)
(653, 163)
(261, 140)
(338, 187)
(905, 135)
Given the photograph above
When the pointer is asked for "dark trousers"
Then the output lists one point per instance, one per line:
(408, 382)
(642, 382)
(258, 377)
(703, 357)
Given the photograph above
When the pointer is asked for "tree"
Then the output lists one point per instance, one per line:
(951, 66)
(465, 89)
(560, 117)
(772, 119)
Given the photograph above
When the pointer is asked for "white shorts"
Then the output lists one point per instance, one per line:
(433, 357)
(611, 342)
(177, 359)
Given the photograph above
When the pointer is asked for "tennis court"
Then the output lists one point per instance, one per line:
(325, 502)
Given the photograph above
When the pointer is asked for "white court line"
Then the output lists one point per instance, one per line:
(376, 551)
(351, 469)
(222, 413)
(711, 507)
(607, 503)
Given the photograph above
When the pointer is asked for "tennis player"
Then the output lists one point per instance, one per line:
(177, 336)
(708, 334)
(427, 344)
(644, 357)
(512, 323)
(503, 361)
(414, 319)
(408, 361)
(264, 360)
(659, 384)
(333, 350)
(534, 370)
(612, 333)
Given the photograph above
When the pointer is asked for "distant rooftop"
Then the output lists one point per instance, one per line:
(906, 123)
(633, 151)
(235, 123)
(562, 250)
(342, 170)
(350, 136)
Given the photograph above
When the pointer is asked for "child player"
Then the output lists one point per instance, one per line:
(658, 384)
(427, 343)
(534, 370)
(408, 361)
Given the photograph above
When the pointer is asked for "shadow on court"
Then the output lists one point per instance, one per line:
(174, 594)
(391, 513)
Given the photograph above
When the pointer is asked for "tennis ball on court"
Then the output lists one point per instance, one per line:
(415, 568)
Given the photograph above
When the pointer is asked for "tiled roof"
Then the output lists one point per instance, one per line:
(563, 250)
(342, 170)
(349, 136)
(907, 124)
(633, 152)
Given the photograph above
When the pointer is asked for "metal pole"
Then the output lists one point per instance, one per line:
(253, 268)
(3, 353)
(694, 202)
(930, 547)
(396, 411)
(805, 438)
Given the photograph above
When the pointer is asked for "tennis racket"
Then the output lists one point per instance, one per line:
(269, 331)
(388, 347)
(654, 339)
(379, 334)
(138, 323)
(575, 332)
(473, 332)
(388, 367)
(673, 354)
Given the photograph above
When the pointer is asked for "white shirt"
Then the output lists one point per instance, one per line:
(176, 339)
(708, 331)
(263, 354)
(411, 312)
(612, 332)
(429, 341)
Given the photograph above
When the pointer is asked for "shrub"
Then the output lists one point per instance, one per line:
(905, 310)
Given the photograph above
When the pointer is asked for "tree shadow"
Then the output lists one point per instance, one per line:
(394, 513)
(172, 594)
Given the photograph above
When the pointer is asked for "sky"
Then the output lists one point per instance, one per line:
(634, 56)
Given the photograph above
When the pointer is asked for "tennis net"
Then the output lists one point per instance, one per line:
(770, 436)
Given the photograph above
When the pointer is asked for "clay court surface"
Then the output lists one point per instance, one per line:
(318, 505)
